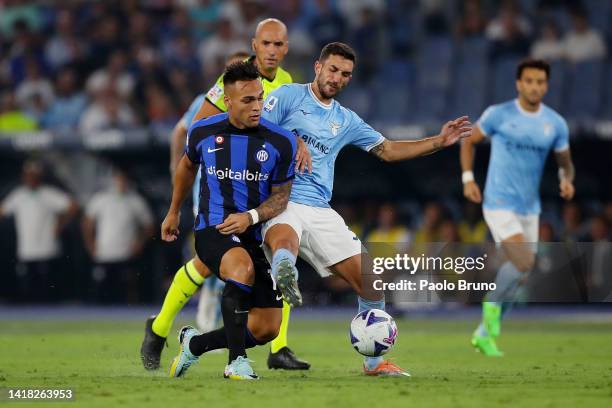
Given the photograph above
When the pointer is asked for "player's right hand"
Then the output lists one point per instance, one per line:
(471, 191)
(303, 159)
(169, 228)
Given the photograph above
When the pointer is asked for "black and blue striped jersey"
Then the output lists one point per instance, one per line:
(238, 166)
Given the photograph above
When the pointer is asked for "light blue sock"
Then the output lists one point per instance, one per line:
(280, 255)
(364, 304)
(507, 282)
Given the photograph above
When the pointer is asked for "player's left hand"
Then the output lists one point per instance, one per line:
(235, 224)
(454, 130)
(567, 189)
(303, 159)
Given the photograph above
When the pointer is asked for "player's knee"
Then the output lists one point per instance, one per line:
(200, 267)
(282, 236)
(241, 270)
(287, 244)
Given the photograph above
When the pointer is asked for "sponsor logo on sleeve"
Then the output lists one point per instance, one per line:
(270, 103)
(215, 93)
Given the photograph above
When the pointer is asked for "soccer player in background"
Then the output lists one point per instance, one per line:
(247, 167)
(309, 226)
(522, 133)
(270, 46)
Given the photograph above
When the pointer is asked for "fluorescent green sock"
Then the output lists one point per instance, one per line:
(491, 318)
(281, 340)
(186, 282)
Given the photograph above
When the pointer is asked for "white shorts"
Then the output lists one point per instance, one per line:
(505, 223)
(325, 239)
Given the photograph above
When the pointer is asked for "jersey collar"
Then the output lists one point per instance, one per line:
(321, 104)
(525, 112)
(251, 60)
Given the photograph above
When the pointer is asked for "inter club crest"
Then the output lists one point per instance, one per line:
(262, 156)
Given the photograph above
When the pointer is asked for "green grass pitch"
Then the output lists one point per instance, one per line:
(547, 364)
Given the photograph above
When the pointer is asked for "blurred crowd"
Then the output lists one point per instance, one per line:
(80, 66)
(450, 221)
(105, 249)
(91, 65)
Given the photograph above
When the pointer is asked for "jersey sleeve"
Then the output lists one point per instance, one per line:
(215, 95)
(562, 138)
(364, 136)
(142, 211)
(191, 145)
(94, 206)
(489, 120)
(11, 202)
(285, 165)
(57, 199)
(278, 104)
(187, 118)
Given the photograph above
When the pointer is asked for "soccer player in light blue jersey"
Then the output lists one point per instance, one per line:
(522, 132)
(309, 226)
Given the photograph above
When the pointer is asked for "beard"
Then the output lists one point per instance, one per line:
(534, 99)
(321, 85)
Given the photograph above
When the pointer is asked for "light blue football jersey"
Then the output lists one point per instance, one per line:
(325, 129)
(187, 119)
(520, 143)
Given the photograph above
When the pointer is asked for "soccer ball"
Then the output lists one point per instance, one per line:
(373, 332)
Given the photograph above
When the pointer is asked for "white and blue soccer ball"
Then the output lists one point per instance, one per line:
(373, 332)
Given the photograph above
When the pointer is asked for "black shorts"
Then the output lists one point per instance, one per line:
(211, 245)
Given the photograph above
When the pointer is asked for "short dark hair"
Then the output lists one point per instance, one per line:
(337, 48)
(240, 71)
(532, 63)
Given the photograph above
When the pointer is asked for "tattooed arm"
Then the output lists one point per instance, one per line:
(273, 206)
(451, 132)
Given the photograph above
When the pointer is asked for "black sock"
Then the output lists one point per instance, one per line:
(211, 340)
(235, 305)
(217, 339)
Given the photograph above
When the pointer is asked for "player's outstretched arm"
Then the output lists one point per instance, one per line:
(177, 145)
(273, 206)
(471, 191)
(183, 181)
(451, 132)
(567, 173)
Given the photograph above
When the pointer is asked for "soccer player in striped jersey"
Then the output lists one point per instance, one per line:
(309, 226)
(247, 167)
(522, 132)
(270, 46)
